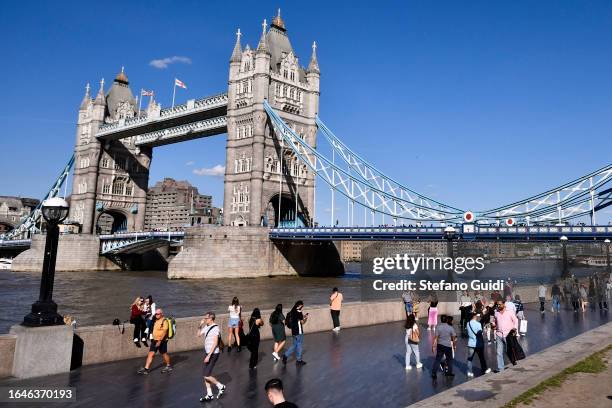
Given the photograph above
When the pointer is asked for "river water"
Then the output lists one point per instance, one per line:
(99, 297)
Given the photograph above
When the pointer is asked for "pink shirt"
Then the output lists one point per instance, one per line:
(505, 322)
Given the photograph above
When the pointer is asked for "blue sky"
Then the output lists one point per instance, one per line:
(474, 103)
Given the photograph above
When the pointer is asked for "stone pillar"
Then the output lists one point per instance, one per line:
(41, 351)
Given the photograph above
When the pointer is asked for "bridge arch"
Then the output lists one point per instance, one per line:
(286, 217)
(110, 221)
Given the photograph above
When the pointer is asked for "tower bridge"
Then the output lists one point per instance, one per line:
(270, 116)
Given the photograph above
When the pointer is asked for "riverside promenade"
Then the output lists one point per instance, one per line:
(359, 367)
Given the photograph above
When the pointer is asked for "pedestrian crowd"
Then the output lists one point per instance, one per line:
(151, 325)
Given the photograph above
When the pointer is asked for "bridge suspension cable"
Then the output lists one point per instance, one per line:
(31, 223)
(581, 197)
(371, 175)
(356, 188)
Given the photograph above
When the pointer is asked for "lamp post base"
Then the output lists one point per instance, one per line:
(43, 314)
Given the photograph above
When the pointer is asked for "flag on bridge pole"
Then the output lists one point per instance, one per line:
(180, 84)
(143, 92)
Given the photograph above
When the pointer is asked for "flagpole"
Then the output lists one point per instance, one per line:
(173, 92)
(140, 102)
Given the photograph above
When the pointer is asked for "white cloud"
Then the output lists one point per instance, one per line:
(164, 62)
(190, 163)
(216, 171)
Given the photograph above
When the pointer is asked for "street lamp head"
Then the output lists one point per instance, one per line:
(607, 241)
(563, 238)
(449, 230)
(55, 210)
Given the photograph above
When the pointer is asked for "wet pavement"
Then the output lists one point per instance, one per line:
(359, 367)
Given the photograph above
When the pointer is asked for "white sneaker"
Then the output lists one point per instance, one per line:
(143, 339)
(408, 367)
(487, 371)
(276, 356)
(336, 329)
(419, 365)
(135, 340)
(428, 328)
(470, 374)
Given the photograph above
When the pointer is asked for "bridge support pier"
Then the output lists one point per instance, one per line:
(75, 253)
(245, 252)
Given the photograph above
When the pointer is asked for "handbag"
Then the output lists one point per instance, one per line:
(414, 337)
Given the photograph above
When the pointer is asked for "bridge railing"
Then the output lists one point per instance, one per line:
(15, 242)
(150, 234)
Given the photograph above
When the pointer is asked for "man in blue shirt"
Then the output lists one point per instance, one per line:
(476, 345)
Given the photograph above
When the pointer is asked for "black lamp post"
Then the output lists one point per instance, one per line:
(449, 234)
(607, 242)
(44, 311)
(565, 272)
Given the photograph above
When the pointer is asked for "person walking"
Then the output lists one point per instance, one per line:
(159, 344)
(277, 322)
(407, 299)
(235, 311)
(335, 304)
(465, 308)
(212, 336)
(602, 293)
(505, 321)
(275, 394)
(255, 322)
(584, 297)
(476, 345)
(485, 321)
(443, 346)
(295, 321)
(412, 339)
(575, 296)
(519, 310)
(432, 313)
(556, 298)
(137, 319)
(542, 297)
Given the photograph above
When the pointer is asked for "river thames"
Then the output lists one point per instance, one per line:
(100, 297)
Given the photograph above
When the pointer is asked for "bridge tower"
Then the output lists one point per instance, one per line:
(110, 179)
(255, 186)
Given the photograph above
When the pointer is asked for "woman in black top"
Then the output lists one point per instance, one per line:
(255, 323)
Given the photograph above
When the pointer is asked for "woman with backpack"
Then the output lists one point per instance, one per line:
(412, 339)
(277, 322)
(255, 322)
(234, 324)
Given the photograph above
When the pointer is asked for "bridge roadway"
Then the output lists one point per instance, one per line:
(478, 233)
(359, 367)
(197, 117)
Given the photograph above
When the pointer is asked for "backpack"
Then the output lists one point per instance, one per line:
(171, 327)
(289, 319)
(415, 335)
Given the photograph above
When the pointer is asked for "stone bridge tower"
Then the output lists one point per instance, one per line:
(110, 179)
(257, 190)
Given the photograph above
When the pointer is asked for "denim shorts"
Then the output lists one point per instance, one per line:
(234, 322)
(408, 307)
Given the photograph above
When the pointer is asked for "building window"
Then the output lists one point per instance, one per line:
(118, 186)
(106, 188)
(128, 190)
(105, 162)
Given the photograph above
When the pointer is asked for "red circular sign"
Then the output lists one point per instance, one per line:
(468, 216)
